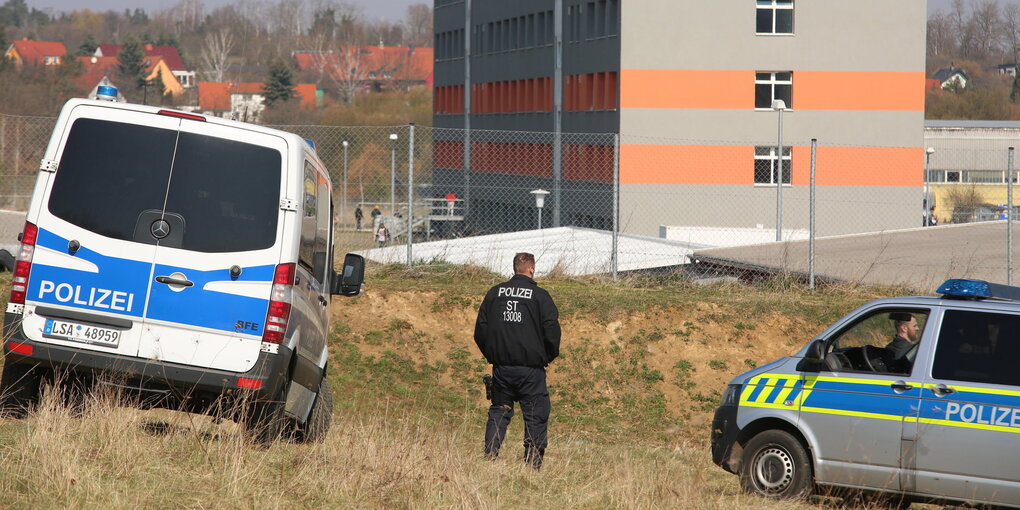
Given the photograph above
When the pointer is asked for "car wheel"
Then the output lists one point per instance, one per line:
(775, 465)
(320, 418)
(6, 261)
(20, 386)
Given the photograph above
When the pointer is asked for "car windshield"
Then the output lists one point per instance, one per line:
(113, 175)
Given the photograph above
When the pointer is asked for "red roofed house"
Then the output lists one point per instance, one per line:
(100, 71)
(371, 67)
(169, 54)
(243, 101)
(36, 53)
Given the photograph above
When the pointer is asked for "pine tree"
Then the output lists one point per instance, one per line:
(131, 64)
(155, 87)
(280, 85)
(88, 46)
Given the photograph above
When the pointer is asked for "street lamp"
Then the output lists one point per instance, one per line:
(393, 174)
(343, 199)
(779, 105)
(539, 203)
(927, 198)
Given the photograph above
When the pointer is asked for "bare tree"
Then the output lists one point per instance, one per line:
(941, 39)
(350, 73)
(987, 26)
(419, 25)
(215, 52)
(1011, 31)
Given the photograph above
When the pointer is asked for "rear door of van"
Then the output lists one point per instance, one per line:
(90, 279)
(222, 212)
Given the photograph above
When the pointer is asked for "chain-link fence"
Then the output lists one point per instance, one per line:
(603, 203)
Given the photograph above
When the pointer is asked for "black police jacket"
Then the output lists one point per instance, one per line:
(518, 324)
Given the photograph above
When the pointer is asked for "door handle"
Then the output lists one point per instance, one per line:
(323, 302)
(169, 280)
(901, 386)
(942, 390)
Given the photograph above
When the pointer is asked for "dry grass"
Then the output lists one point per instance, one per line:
(119, 457)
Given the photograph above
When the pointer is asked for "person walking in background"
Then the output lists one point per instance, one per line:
(358, 216)
(376, 213)
(518, 332)
(451, 199)
(382, 235)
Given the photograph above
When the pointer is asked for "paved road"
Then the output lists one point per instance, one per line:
(917, 258)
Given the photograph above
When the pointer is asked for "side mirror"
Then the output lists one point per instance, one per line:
(815, 351)
(349, 282)
(814, 357)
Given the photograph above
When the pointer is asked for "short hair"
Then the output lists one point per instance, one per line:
(523, 261)
(900, 318)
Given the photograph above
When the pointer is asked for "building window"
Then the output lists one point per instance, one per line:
(775, 17)
(765, 168)
(769, 86)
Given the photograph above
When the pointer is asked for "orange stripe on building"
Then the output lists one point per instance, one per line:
(734, 165)
(734, 90)
(647, 88)
(858, 90)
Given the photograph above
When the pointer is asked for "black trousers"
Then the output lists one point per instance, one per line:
(525, 385)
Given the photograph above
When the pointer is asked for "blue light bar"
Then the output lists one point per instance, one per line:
(977, 289)
(106, 92)
(310, 143)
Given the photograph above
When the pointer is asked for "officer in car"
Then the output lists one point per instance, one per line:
(907, 334)
(518, 332)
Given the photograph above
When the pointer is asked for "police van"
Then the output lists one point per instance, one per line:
(864, 406)
(187, 259)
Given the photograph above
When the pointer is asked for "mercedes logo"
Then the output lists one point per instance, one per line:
(160, 229)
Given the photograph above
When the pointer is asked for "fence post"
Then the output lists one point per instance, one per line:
(410, 192)
(615, 257)
(1009, 218)
(811, 218)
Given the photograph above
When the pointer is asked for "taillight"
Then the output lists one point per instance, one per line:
(252, 384)
(279, 304)
(23, 266)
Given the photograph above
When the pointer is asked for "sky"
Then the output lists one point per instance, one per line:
(394, 10)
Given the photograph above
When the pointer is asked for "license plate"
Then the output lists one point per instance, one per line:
(75, 332)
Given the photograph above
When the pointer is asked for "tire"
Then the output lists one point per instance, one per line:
(6, 261)
(20, 389)
(319, 419)
(775, 465)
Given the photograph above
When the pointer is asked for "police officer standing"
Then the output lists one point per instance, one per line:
(518, 332)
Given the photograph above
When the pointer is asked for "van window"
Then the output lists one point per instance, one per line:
(228, 193)
(111, 173)
(884, 342)
(978, 347)
(314, 223)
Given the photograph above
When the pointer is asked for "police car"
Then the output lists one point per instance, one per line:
(930, 418)
(189, 258)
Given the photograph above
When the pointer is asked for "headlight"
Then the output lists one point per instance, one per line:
(731, 396)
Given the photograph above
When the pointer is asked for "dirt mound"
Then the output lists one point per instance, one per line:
(687, 354)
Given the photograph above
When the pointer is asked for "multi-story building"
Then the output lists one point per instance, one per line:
(690, 89)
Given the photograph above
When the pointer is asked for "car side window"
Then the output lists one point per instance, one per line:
(978, 347)
(884, 341)
(309, 220)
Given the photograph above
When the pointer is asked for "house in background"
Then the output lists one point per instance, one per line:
(36, 53)
(1006, 70)
(948, 76)
(369, 68)
(168, 54)
(244, 101)
(101, 70)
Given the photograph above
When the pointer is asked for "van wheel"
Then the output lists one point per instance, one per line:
(319, 419)
(775, 465)
(20, 388)
(6, 261)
